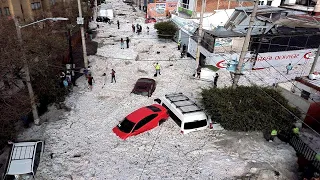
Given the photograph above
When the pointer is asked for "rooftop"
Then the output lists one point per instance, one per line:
(295, 21)
(298, 7)
(21, 158)
(223, 33)
(215, 5)
(260, 9)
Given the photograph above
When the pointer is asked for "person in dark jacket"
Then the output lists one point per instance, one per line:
(133, 28)
(127, 41)
(90, 80)
(215, 80)
(113, 75)
(118, 23)
(198, 72)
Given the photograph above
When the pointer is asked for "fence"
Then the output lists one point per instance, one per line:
(302, 148)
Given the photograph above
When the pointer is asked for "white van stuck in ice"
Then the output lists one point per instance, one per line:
(186, 113)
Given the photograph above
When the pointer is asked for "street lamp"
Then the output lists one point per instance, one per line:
(26, 67)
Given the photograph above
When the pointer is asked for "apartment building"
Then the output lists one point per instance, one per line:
(26, 10)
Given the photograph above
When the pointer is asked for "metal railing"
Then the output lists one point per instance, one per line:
(302, 148)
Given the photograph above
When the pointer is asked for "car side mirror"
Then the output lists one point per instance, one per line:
(157, 100)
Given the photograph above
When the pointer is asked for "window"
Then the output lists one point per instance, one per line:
(174, 118)
(144, 121)
(269, 3)
(37, 157)
(126, 126)
(261, 2)
(6, 11)
(305, 94)
(185, 4)
(195, 124)
(35, 5)
(153, 108)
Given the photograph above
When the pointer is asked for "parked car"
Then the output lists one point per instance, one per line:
(185, 112)
(24, 160)
(141, 120)
(150, 20)
(144, 87)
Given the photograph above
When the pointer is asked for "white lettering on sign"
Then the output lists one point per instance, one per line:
(283, 58)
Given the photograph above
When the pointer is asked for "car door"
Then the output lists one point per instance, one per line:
(144, 124)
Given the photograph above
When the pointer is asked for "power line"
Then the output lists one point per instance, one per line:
(288, 80)
(158, 135)
(261, 79)
(283, 106)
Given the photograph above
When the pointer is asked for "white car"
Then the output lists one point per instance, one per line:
(186, 113)
(24, 160)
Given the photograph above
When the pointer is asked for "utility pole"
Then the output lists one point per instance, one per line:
(84, 48)
(27, 73)
(95, 10)
(194, 13)
(203, 6)
(245, 46)
(315, 61)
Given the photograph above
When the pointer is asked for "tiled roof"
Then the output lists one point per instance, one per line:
(223, 4)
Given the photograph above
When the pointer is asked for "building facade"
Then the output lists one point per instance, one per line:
(25, 10)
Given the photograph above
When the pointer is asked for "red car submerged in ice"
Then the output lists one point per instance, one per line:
(141, 120)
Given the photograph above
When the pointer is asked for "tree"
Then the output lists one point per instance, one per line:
(248, 108)
(166, 29)
(44, 44)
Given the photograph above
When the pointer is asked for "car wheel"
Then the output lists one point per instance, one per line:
(161, 121)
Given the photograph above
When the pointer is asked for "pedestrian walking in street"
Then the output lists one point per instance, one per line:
(104, 75)
(118, 23)
(198, 72)
(215, 80)
(127, 41)
(122, 43)
(133, 28)
(184, 48)
(113, 75)
(98, 26)
(137, 27)
(90, 81)
(289, 68)
(147, 30)
(179, 44)
(157, 67)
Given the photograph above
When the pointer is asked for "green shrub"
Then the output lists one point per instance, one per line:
(248, 108)
(166, 29)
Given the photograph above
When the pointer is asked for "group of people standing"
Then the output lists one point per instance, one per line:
(122, 42)
(138, 28)
(90, 79)
(65, 80)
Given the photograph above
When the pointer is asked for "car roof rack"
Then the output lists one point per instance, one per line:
(183, 103)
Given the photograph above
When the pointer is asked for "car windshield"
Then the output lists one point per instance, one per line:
(126, 126)
(153, 108)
